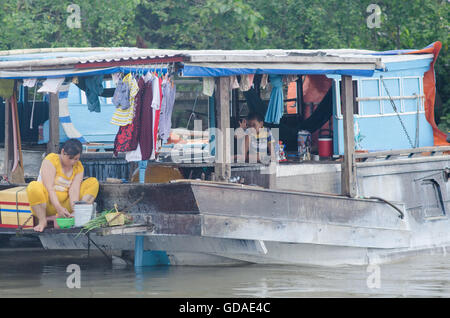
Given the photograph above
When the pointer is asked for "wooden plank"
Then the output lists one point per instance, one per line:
(125, 229)
(222, 167)
(282, 58)
(376, 98)
(53, 143)
(299, 97)
(348, 166)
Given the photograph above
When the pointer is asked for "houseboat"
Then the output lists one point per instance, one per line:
(381, 194)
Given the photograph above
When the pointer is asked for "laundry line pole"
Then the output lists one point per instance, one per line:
(53, 113)
(222, 166)
(348, 174)
(8, 144)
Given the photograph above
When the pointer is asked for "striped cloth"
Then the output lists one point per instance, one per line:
(123, 117)
(64, 115)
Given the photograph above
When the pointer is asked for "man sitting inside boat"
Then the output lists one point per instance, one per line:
(259, 141)
(60, 184)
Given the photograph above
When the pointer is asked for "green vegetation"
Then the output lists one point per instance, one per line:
(235, 24)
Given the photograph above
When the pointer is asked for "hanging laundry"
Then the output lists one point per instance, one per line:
(64, 115)
(122, 140)
(140, 132)
(156, 116)
(275, 109)
(156, 101)
(264, 81)
(116, 77)
(127, 138)
(145, 141)
(51, 85)
(165, 121)
(246, 82)
(208, 86)
(134, 155)
(146, 135)
(234, 82)
(29, 82)
(125, 117)
(289, 78)
(93, 87)
(121, 97)
(138, 104)
(6, 88)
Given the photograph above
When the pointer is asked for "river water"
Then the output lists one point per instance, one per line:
(40, 273)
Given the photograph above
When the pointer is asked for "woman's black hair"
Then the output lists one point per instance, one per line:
(72, 147)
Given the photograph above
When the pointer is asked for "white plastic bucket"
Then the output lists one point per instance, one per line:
(82, 213)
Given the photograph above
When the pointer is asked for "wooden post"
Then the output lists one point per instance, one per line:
(299, 98)
(222, 166)
(8, 148)
(53, 142)
(348, 179)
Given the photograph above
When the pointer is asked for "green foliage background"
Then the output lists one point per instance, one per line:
(235, 24)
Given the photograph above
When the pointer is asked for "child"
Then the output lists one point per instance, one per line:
(259, 145)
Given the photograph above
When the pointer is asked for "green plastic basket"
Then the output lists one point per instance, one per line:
(65, 223)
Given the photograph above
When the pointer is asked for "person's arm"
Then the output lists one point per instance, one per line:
(74, 190)
(272, 151)
(246, 148)
(239, 139)
(48, 173)
(271, 147)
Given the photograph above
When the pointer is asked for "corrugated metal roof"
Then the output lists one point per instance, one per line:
(124, 54)
(46, 61)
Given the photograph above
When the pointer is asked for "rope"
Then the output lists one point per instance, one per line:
(398, 115)
(193, 110)
(32, 108)
(417, 121)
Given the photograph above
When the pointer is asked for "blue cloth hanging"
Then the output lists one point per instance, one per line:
(275, 109)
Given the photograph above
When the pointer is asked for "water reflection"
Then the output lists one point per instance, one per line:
(43, 274)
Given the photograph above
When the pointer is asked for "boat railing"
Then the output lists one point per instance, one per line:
(405, 153)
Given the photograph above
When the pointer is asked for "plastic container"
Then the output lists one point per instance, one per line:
(325, 144)
(65, 223)
(83, 213)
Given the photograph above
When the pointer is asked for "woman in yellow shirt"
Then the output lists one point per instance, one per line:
(60, 185)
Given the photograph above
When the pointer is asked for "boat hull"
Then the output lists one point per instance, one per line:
(207, 223)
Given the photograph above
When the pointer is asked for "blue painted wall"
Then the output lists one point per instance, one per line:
(95, 127)
(378, 123)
